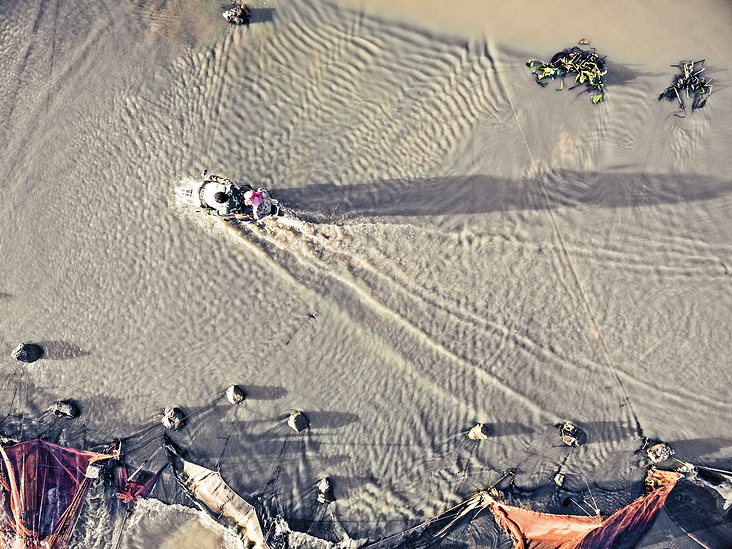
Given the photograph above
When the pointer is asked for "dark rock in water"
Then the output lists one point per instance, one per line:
(7, 441)
(571, 434)
(235, 394)
(659, 452)
(173, 418)
(94, 471)
(325, 491)
(66, 408)
(28, 352)
(480, 432)
(238, 14)
(298, 422)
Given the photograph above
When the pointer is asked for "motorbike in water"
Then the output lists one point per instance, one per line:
(221, 197)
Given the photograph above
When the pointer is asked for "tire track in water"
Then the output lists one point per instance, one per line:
(617, 137)
(17, 80)
(566, 258)
(422, 430)
(672, 253)
(439, 88)
(490, 330)
(699, 267)
(665, 275)
(676, 395)
(325, 261)
(294, 279)
(399, 280)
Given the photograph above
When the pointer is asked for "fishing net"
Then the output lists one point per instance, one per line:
(437, 529)
(43, 487)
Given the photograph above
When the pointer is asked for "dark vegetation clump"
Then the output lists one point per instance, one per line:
(689, 83)
(586, 64)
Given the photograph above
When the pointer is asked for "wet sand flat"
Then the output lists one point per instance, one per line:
(475, 248)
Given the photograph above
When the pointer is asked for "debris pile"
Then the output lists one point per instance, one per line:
(325, 491)
(689, 83)
(586, 64)
(66, 408)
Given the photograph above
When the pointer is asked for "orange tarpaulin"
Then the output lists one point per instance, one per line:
(532, 530)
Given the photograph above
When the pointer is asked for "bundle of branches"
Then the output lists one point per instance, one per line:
(696, 87)
(586, 64)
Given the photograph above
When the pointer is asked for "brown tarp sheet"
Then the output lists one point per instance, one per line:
(210, 490)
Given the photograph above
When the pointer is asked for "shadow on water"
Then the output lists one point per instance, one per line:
(62, 350)
(608, 431)
(264, 392)
(509, 428)
(696, 447)
(262, 15)
(619, 75)
(331, 420)
(478, 194)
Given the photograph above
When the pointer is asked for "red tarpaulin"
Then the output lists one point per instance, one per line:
(532, 530)
(132, 490)
(47, 485)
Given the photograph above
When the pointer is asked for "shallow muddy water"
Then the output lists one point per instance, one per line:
(444, 209)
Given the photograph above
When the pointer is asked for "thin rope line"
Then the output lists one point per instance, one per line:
(122, 528)
(221, 100)
(594, 503)
(22, 413)
(216, 129)
(15, 392)
(228, 436)
(583, 509)
(571, 263)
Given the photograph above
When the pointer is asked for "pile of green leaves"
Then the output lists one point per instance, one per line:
(586, 64)
(695, 87)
